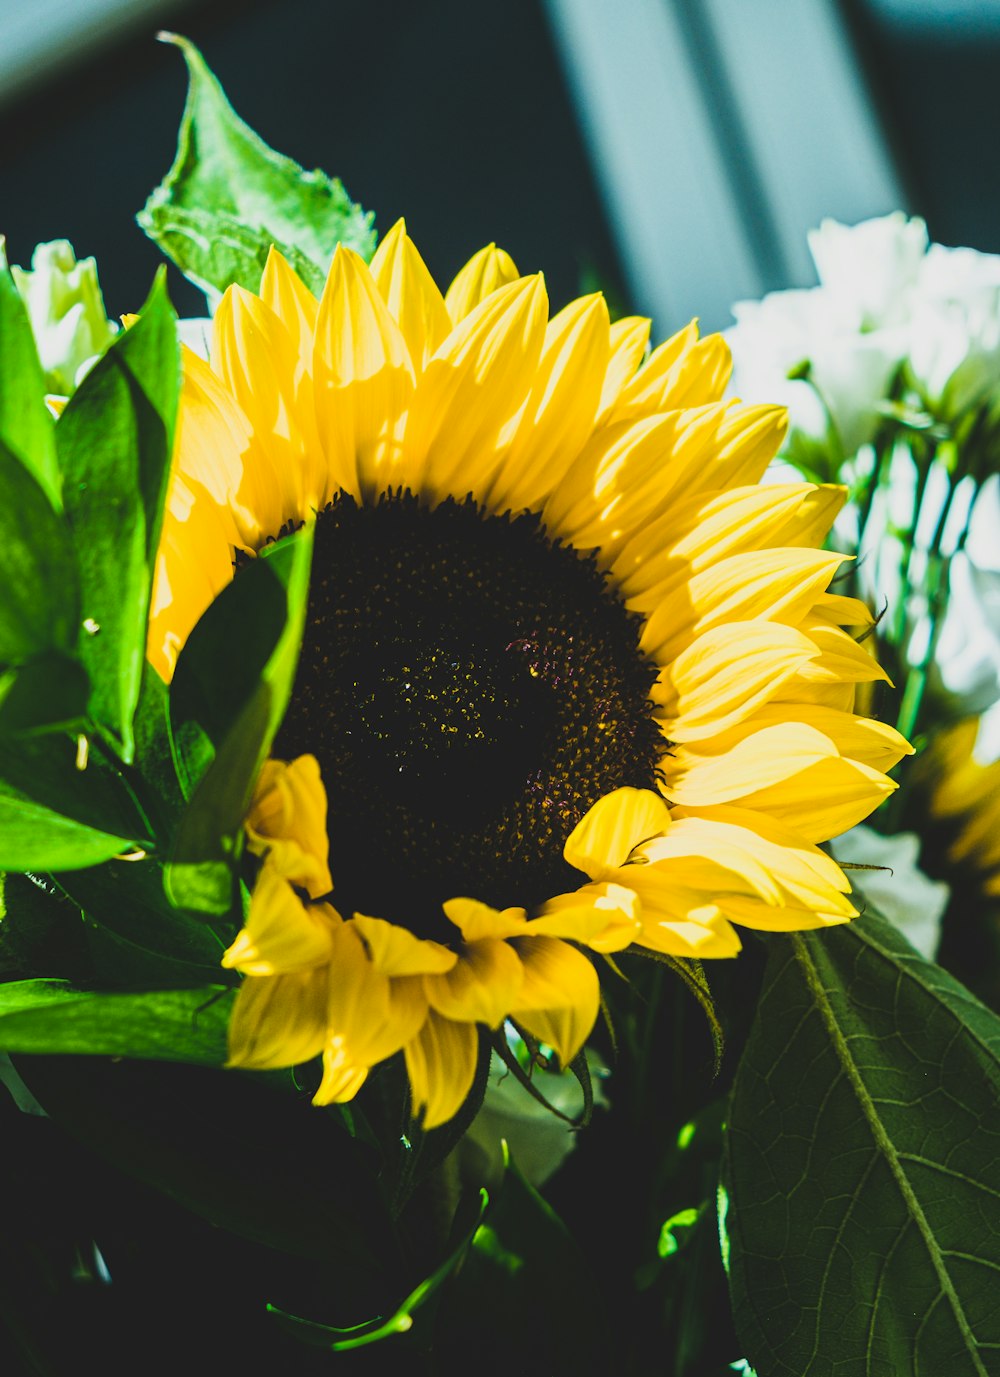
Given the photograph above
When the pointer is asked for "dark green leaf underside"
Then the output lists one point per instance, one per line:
(863, 1147)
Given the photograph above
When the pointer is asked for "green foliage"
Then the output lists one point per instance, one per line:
(115, 444)
(26, 427)
(55, 816)
(229, 694)
(40, 607)
(228, 197)
(862, 1150)
(174, 1025)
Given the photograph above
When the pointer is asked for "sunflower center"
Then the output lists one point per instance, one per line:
(470, 688)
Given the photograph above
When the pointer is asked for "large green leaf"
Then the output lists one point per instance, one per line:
(56, 816)
(40, 607)
(246, 1151)
(48, 693)
(228, 197)
(170, 1025)
(232, 685)
(115, 443)
(144, 941)
(26, 427)
(863, 1152)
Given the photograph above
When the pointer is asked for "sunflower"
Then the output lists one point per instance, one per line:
(571, 679)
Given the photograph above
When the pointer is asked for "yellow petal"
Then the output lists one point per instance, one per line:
(477, 921)
(485, 272)
(184, 587)
(722, 676)
(287, 819)
(616, 824)
(602, 916)
(730, 768)
(559, 413)
(560, 996)
(700, 531)
(470, 390)
(825, 799)
(281, 934)
(216, 447)
(411, 294)
(369, 1016)
(341, 1081)
(395, 950)
(292, 302)
(812, 523)
(772, 585)
(259, 362)
(629, 338)
(617, 482)
(678, 920)
(481, 987)
(683, 372)
(363, 380)
(441, 1064)
(278, 1020)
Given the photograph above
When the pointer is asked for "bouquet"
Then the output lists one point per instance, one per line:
(420, 731)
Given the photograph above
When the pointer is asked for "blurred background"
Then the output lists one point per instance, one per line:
(672, 152)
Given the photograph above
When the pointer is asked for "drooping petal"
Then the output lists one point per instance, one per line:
(282, 933)
(603, 916)
(441, 1064)
(287, 820)
(481, 987)
(278, 1020)
(395, 951)
(477, 921)
(560, 995)
(369, 1015)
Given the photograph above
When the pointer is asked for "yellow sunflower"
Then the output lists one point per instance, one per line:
(571, 678)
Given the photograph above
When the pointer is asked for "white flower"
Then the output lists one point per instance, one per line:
(955, 328)
(900, 891)
(851, 330)
(67, 313)
(968, 650)
(870, 268)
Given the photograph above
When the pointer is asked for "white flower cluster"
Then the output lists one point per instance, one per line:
(886, 295)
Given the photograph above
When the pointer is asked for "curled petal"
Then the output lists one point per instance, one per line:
(606, 834)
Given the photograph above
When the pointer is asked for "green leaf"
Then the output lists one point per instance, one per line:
(26, 427)
(40, 607)
(153, 942)
(862, 1151)
(49, 693)
(171, 1025)
(115, 443)
(212, 247)
(258, 1161)
(233, 681)
(56, 816)
(228, 196)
